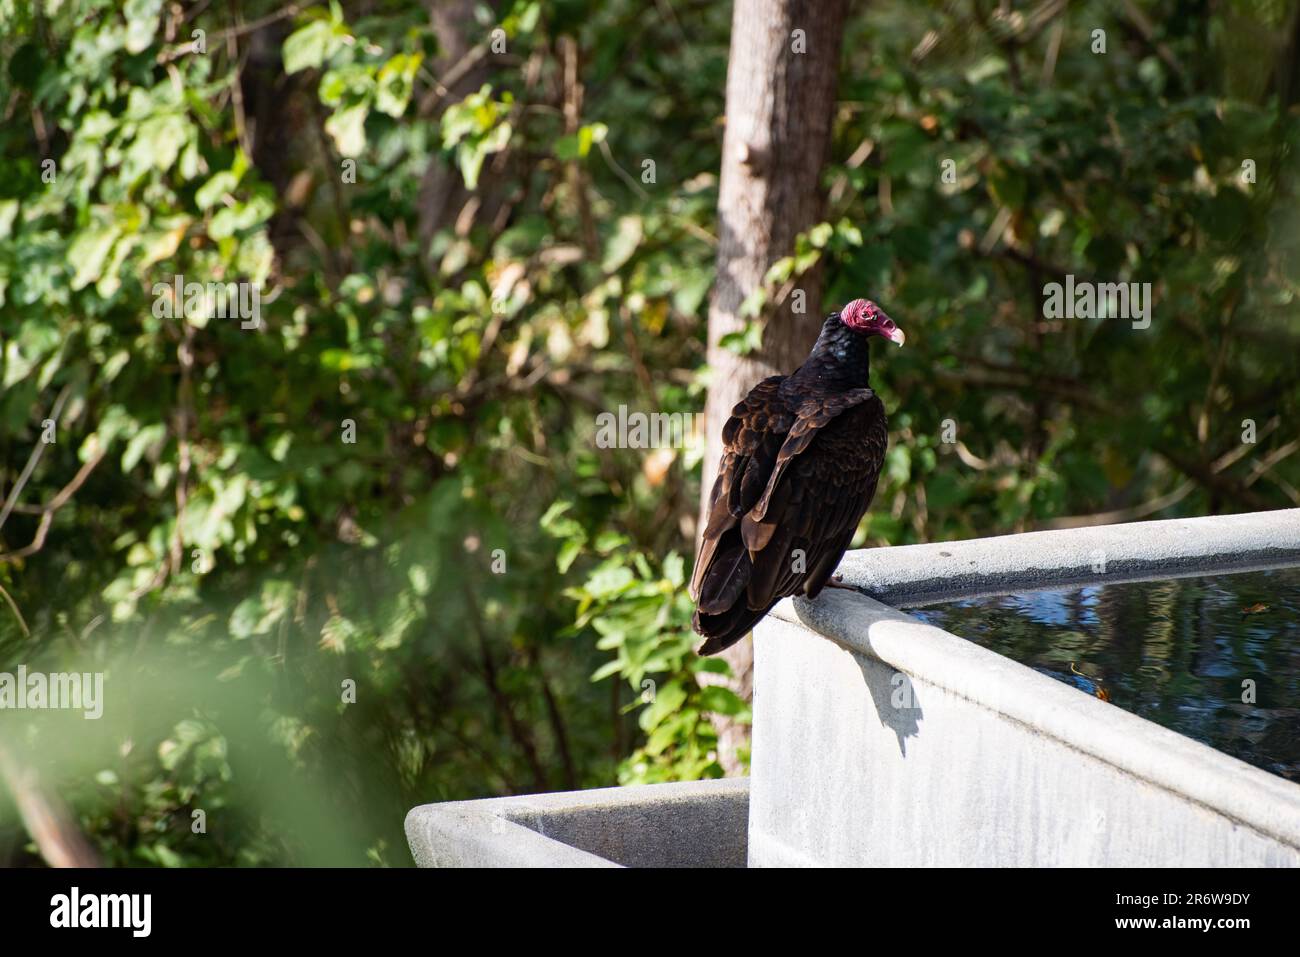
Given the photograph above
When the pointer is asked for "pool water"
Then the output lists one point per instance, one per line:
(1188, 654)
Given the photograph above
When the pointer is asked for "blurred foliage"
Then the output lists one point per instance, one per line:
(393, 482)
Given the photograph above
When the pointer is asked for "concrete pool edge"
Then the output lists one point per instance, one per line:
(1223, 784)
(938, 751)
(1137, 551)
(681, 824)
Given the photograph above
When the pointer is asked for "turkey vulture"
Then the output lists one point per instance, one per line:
(801, 455)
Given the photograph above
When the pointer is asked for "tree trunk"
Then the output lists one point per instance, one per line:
(465, 69)
(781, 83)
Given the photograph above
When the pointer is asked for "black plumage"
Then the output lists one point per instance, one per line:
(801, 457)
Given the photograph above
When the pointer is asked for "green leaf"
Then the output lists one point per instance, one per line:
(606, 670)
(674, 570)
(158, 143)
(8, 210)
(568, 553)
(257, 615)
(141, 442)
(722, 700)
(141, 23)
(626, 239)
(348, 128)
(310, 46)
(395, 82)
(667, 700)
(211, 192)
(230, 220)
(89, 251)
(609, 579)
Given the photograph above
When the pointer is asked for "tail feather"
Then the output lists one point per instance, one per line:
(726, 578)
(725, 629)
(722, 612)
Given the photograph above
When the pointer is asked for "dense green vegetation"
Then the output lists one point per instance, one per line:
(394, 481)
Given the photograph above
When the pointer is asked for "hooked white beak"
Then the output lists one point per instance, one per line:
(897, 336)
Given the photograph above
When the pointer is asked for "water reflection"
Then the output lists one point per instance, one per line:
(1182, 653)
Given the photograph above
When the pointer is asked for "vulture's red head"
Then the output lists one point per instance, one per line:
(864, 316)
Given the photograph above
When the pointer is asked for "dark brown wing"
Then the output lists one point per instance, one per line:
(751, 441)
(814, 507)
(786, 504)
(817, 495)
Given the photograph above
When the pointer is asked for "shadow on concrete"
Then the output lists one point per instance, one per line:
(892, 692)
(894, 696)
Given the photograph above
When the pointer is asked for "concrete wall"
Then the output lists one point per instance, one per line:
(883, 741)
(689, 824)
